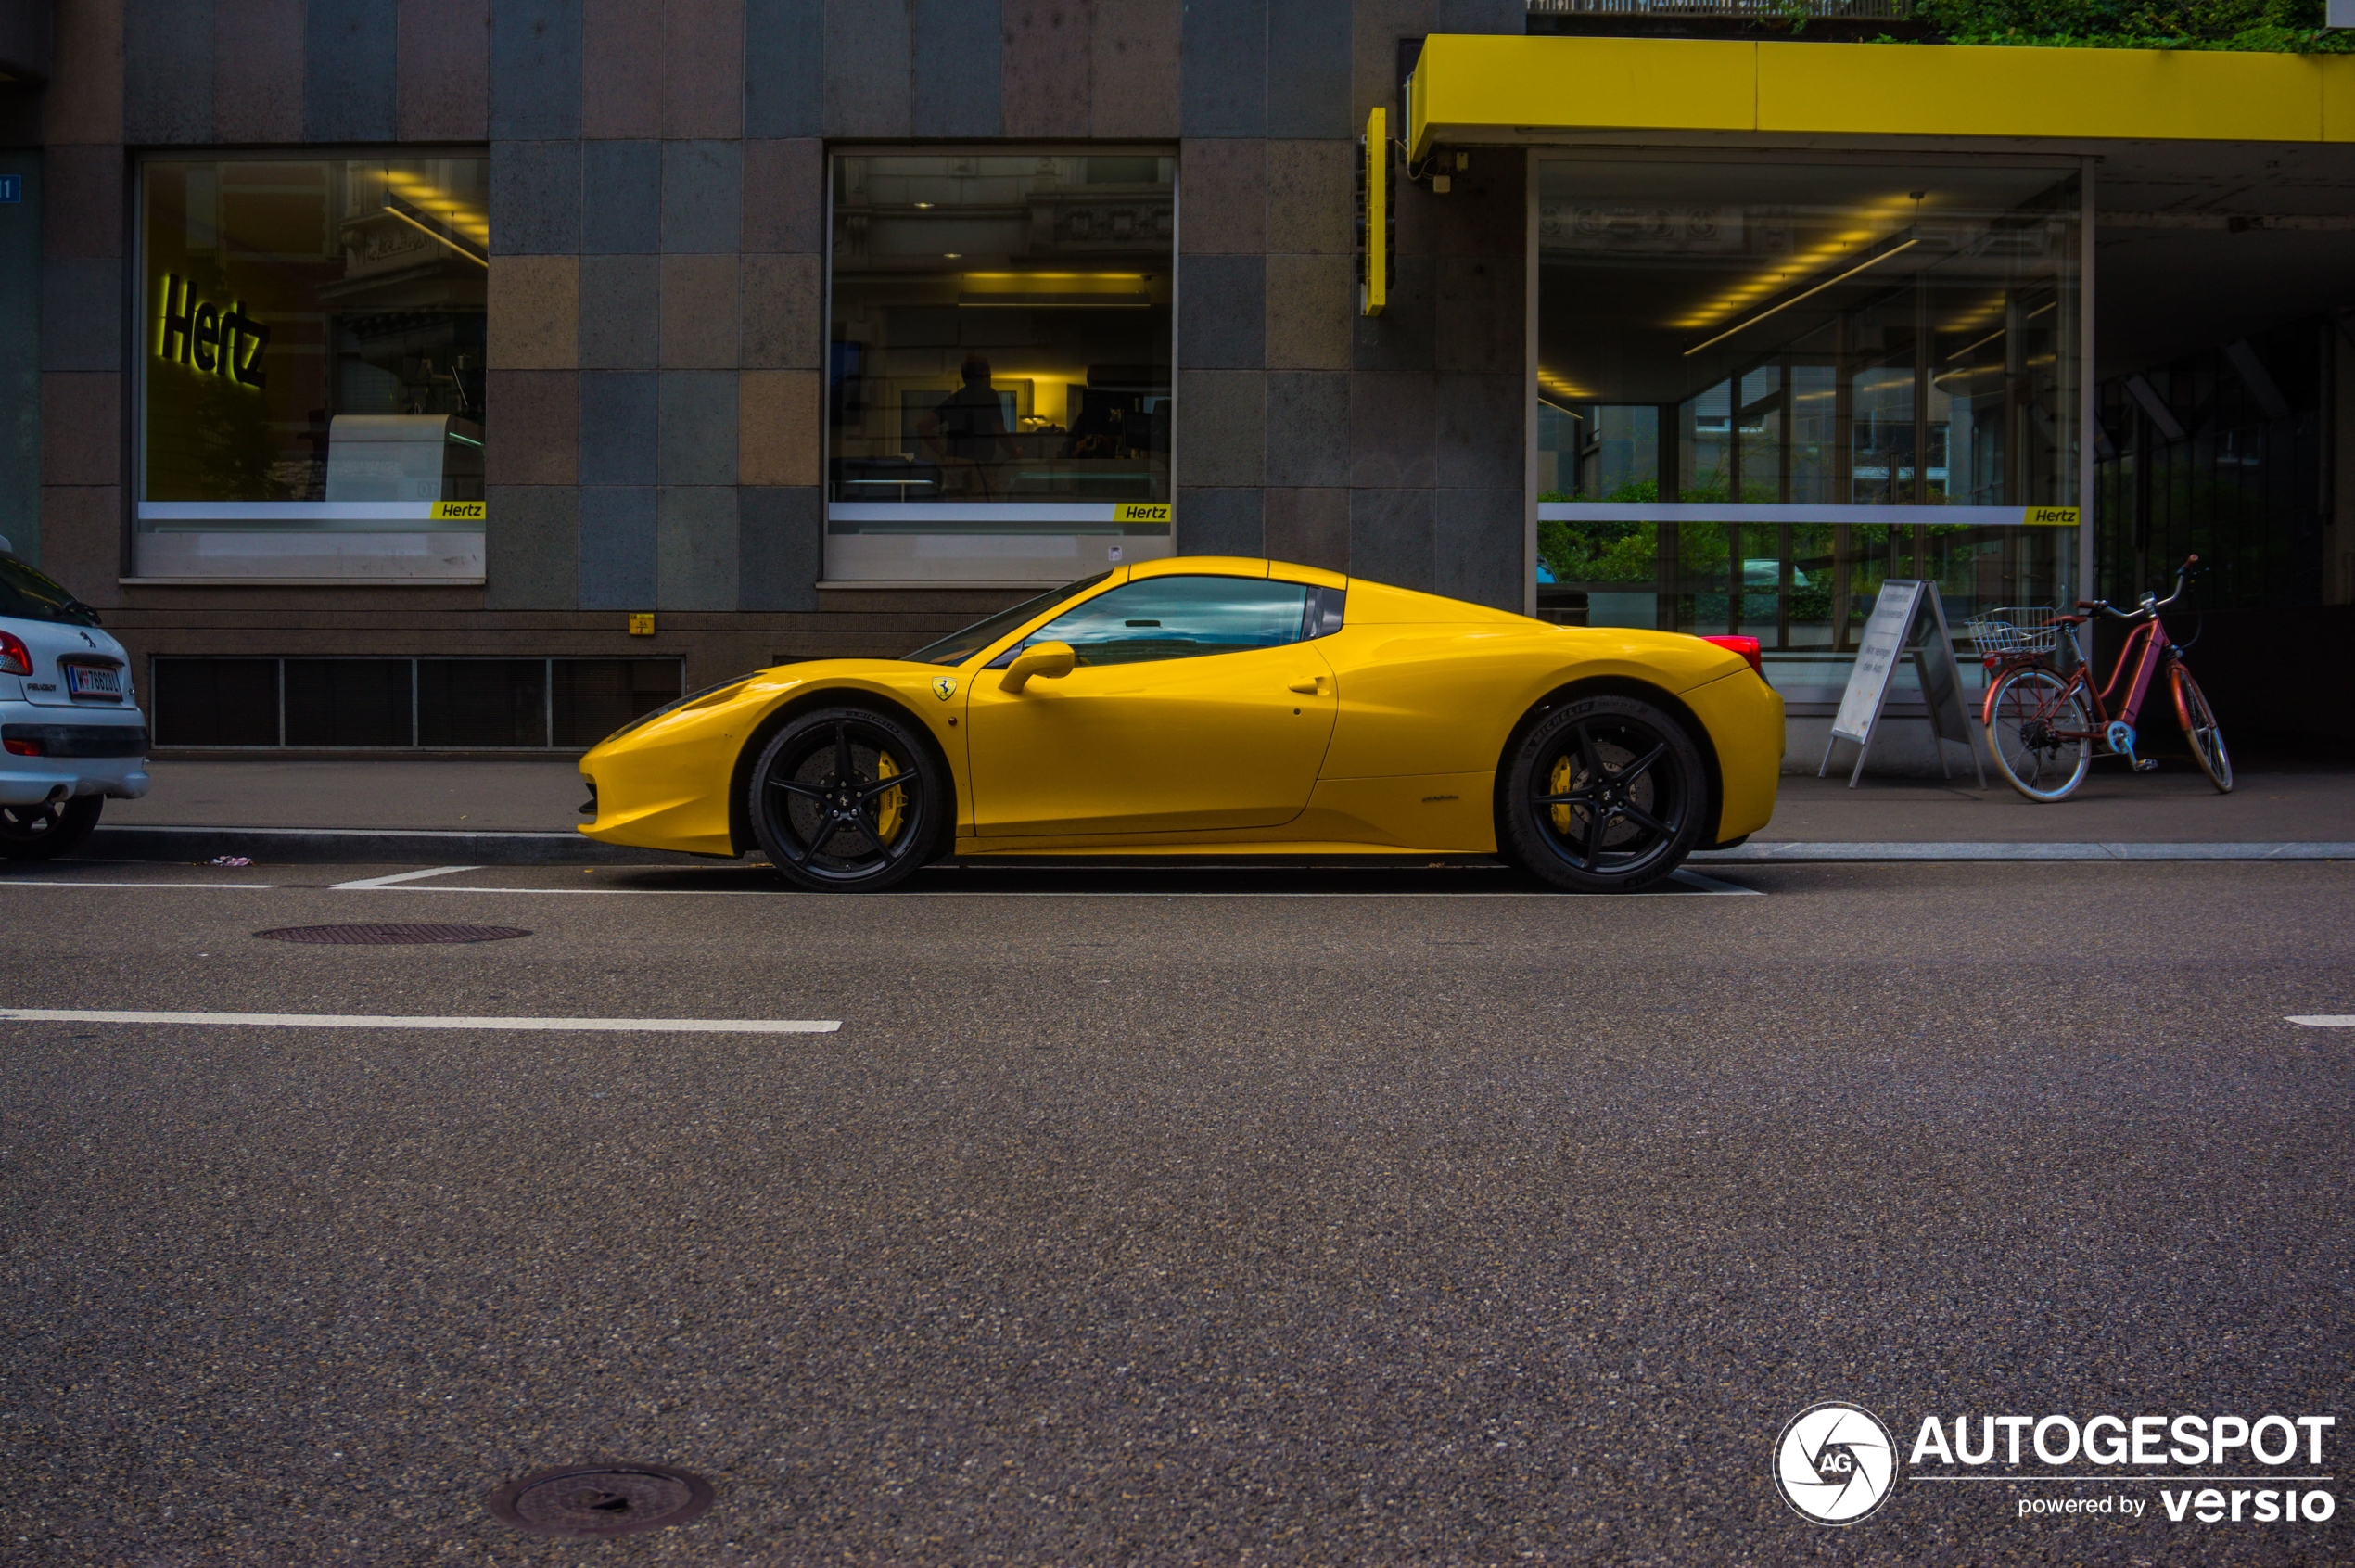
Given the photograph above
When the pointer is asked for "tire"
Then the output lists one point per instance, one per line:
(42, 832)
(2026, 713)
(1613, 760)
(2200, 728)
(824, 809)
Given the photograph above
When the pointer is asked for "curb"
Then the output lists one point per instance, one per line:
(438, 847)
(302, 845)
(1794, 853)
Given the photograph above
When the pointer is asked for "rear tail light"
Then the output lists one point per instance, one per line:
(15, 658)
(1746, 646)
(22, 748)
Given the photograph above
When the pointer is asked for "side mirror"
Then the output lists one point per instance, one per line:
(1047, 661)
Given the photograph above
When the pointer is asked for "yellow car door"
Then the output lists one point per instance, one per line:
(1193, 703)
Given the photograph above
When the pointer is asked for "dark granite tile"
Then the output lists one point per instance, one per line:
(786, 196)
(697, 440)
(702, 196)
(1391, 534)
(619, 428)
(781, 543)
(1392, 416)
(959, 68)
(82, 313)
(703, 68)
(701, 325)
(1310, 526)
(1308, 55)
(1480, 431)
(621, 76)
(696, 553)
(258, 70)
(869, 77)
(1223, 71)
(445, 70)
(166, 71)
(1222, 312)
(352, 71)
(1221, 434)
(783, 310)
(1133, 73)
(618, 534)
(1480, 546)
(621, 198)
(535, 198)
(1219, 522)
(81, 202)
(533, 430)
(1308, 428)
(784, 67)
(620, 313)
(531, 547)
(1223, 197)
(535, 70)
(1044, 61)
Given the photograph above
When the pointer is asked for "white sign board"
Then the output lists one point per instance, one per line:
(1908, 616)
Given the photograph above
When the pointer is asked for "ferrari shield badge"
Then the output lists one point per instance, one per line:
(944, 687)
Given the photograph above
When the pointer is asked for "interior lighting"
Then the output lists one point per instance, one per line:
(1055, 289)
(394, 206)
(1782, 305)
(924, 206)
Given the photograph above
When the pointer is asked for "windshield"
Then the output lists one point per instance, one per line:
(959, 646)
(28, 594)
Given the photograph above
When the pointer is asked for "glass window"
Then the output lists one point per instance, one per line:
(1176, 618)
(959, 646)
(311, 350)
(29, 593)
(999, 399)
(1754, 376)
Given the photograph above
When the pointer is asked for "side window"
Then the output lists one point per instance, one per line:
(1176, 618)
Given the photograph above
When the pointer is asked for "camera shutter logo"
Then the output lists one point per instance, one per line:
(1835, 1463)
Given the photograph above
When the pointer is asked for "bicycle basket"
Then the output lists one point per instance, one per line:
(2015, 631)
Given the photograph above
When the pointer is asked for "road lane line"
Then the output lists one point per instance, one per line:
(1693, 879)
(377, 1021)
(2324, 1020)
(398, 877)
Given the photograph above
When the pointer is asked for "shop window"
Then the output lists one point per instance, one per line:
(1000, 396)
(1764, 390)
(311, 358)
(391, 703)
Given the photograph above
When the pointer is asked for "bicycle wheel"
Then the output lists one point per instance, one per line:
(2200, 728)
(2039, 734)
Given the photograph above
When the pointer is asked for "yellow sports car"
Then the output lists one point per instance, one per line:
(1211, 705)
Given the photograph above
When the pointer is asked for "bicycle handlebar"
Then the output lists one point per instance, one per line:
(2150, 606)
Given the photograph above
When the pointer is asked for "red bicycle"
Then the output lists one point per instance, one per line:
(2044, 726)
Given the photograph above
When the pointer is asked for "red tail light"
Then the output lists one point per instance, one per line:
(15, 658)
(1746, 646)
(22, 748)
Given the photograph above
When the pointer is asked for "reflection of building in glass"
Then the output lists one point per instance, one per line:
(1837, 340)
(1000, 371)
(315, 366)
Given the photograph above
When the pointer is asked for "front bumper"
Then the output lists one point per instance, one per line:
(83, 752)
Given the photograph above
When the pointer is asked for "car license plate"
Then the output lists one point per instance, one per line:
(101, 683)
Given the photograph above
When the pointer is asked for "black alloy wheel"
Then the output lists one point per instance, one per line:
(846, 799)
(1605, 795)
(45, 830)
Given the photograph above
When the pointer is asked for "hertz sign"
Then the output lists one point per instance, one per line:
(205, 338)
(1376, 217)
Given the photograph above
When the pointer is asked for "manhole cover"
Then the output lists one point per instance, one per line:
(384, 935)
(601, 1500)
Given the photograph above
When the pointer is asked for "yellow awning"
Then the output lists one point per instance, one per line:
(1469, 90)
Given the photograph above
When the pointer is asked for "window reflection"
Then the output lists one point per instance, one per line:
(1177, 617)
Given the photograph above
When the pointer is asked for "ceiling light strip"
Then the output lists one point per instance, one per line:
(1786, 304)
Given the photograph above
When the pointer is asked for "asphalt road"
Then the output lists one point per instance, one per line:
(1133, 1217)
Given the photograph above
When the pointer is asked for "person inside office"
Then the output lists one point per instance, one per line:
(966, 433)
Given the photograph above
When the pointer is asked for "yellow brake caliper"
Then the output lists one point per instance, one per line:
(891, 805)
(1559, 784)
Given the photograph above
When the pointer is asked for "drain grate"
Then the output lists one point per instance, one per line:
(389, 935)
(601, 1500)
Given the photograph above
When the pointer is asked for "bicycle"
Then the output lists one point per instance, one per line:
(2037, 722)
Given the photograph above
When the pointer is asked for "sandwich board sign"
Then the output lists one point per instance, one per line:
(1907, 617)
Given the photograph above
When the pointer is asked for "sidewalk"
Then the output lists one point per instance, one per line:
(495, 812)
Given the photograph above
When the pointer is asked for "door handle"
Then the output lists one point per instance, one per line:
(1310, 685)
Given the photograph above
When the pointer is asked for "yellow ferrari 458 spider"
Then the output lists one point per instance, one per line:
(1209, 704)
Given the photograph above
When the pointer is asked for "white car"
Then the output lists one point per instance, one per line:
(70, 731)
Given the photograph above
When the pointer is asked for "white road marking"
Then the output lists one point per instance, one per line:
(2324, 1020)
(207, 886)
(1693, 879)
(397, 877)
(375, 1021)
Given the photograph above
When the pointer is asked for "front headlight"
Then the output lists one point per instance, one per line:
(719, 693)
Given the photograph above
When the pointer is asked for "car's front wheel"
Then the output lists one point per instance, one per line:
(46, 829)
(1604, 794)
(846, 799)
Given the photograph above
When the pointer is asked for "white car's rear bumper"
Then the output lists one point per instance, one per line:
(82, 751)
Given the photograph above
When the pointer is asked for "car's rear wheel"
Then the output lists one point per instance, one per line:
(1605, 795)
(45, 830)
(847, 800)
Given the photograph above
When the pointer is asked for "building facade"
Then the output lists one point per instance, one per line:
(474, 374)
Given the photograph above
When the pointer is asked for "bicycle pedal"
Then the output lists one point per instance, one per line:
(2146, 765)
